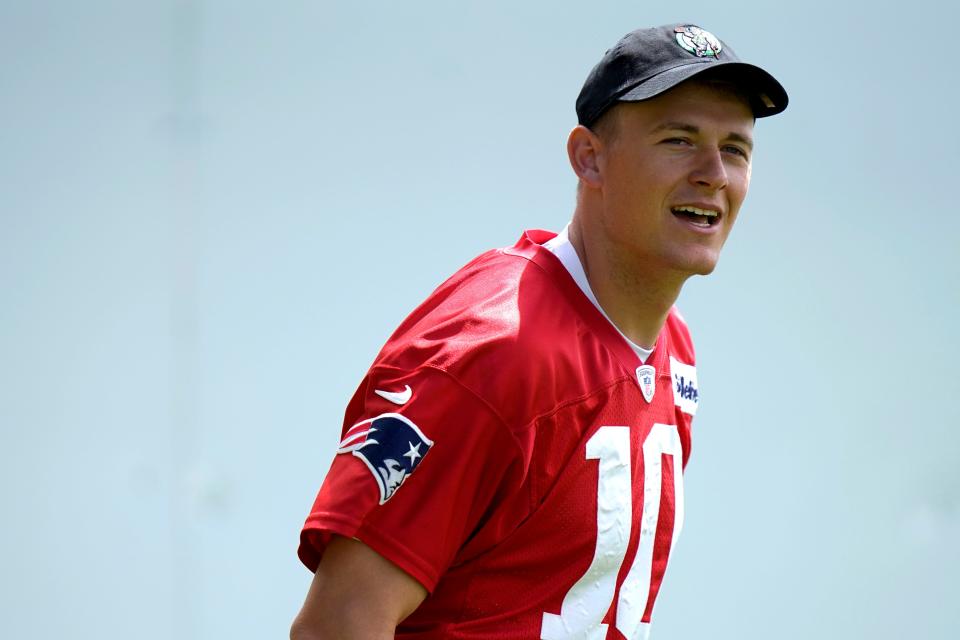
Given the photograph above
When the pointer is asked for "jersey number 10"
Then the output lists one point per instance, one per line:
(589, 599)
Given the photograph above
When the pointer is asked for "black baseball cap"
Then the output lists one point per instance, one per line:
(647, 62)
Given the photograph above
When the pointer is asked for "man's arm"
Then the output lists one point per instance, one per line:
(356, 594)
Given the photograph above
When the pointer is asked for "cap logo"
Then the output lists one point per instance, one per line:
(699, 42)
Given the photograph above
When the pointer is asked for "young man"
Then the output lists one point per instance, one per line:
(511, 465)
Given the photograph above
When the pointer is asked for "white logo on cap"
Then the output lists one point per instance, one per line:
(699, 42)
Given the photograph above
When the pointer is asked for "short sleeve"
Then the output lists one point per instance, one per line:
(419, 466)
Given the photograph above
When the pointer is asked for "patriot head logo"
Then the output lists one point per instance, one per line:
(390, 445)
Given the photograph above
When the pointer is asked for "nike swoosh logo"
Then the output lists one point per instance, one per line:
(396, 397)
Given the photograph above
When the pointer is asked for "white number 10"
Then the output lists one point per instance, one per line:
(588, 600)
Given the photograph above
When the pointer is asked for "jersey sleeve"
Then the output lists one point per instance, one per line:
(420, 462)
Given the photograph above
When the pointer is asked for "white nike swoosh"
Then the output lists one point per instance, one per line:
(396, 397)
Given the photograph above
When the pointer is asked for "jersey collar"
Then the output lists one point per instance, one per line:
(529, 247)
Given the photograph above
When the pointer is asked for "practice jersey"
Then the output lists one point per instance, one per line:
(509, 451)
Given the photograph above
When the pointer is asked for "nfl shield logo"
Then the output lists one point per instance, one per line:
(647, 377)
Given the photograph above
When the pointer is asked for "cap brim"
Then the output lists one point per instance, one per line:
(767, 96)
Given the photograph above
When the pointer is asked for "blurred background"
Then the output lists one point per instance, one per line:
(212, 214)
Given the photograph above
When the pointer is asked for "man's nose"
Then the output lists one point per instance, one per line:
(709, 171)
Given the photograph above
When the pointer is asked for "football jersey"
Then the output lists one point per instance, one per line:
(509, 451)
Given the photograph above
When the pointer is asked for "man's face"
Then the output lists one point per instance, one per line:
(675, 172)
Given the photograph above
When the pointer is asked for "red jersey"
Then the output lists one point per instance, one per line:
(510, 451)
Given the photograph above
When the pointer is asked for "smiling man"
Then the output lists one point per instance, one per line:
(512, 464)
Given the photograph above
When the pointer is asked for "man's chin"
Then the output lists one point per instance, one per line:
(700, 265)
(706, 269)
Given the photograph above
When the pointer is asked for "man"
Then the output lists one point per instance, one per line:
(511, 465)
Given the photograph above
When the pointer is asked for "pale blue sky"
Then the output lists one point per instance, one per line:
(213, 213)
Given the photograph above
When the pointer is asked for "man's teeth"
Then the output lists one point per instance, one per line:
(698, 216)
(710, 213)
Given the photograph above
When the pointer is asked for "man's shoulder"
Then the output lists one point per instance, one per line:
(491, 302)
(502, 325)
(681, 342)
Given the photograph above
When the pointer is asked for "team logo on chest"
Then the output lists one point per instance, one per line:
(391, 446)
(686, 393)
(647, 377)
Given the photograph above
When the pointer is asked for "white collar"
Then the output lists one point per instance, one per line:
(561, 247)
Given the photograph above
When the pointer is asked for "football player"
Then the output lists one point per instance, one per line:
(511, 464)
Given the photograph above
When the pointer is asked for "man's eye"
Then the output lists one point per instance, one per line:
(676, 141)
(736, 151)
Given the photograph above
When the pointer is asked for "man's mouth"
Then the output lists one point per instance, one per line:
(696, 215)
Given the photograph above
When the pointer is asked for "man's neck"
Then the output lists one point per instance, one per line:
(638, 306)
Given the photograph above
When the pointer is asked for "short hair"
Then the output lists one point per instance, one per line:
(607, 125)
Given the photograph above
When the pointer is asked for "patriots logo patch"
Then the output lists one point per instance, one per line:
(391, 446)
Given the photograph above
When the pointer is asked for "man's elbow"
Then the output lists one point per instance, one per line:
(300, 630)
(322, 627)
(338, 626)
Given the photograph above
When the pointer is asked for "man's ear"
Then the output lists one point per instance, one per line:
(584, 148)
